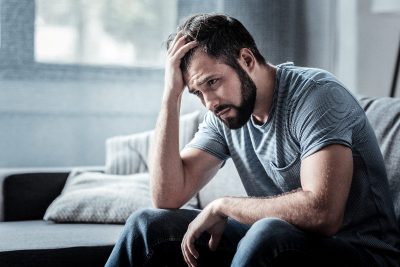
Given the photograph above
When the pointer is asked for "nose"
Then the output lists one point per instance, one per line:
(211, 101)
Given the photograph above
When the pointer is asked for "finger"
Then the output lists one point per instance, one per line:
(183, 250)
(177, 36)
(191, 247)
(189, 259)
(178, 44)
(184, 49)
(214, 241)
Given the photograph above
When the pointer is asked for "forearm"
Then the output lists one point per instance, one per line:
(166, 168)
(300, 208)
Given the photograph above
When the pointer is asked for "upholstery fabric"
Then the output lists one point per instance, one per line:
(128, 154)
(225, 183)
(27, 194)
(40, 243)
(101, 198)
(384, 116)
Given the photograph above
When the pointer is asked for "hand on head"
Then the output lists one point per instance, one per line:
(173, 74)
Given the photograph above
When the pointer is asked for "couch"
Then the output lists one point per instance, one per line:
(28, 240)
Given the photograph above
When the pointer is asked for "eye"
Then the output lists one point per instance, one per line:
(197, 93)
(212, 82)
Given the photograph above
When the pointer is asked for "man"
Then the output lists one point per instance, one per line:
(307, 156)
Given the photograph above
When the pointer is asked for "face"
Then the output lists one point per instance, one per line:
(229, 93)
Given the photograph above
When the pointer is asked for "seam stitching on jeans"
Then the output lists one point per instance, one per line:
(148, 255)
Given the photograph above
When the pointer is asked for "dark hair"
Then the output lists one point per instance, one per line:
(219, 36)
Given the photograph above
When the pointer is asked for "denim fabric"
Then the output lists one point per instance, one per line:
(152, 237)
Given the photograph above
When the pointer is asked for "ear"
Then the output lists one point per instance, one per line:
(247, 59)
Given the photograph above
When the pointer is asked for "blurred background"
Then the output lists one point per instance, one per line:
(75, 72)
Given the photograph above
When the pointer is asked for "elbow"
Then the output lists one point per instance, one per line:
(328, 224)
(164, 202)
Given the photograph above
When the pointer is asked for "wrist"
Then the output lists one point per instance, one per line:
(219, 207)
(172, 94)
(171, 100)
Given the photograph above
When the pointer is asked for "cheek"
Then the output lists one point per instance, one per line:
(233, 94)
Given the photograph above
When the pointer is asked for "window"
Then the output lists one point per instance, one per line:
(111, 40)
(103, 32)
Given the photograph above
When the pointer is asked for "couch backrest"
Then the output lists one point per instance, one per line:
(384, 116)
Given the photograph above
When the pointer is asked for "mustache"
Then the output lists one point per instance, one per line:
(222, 107)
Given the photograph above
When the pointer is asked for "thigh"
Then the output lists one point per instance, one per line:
(274, 242)
(161, 232)
(233, 233)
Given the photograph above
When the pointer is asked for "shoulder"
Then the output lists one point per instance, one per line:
(312, 86)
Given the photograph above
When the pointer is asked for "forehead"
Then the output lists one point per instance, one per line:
(201, 66)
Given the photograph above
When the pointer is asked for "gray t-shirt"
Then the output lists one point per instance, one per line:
(311, 109)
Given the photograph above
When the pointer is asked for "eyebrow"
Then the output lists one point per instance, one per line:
(202, 81)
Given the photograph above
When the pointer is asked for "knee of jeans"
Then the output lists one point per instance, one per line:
(270, 231)
(145, 219)
(158, 221)
(263, 241)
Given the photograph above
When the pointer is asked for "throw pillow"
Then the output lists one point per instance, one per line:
(93, 197)
(127, 154)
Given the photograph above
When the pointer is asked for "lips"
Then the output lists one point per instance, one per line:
(222, 112)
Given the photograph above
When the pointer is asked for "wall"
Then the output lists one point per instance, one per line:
(58, 115)
(367, 48)
(378, 39)
(50, 118)
(285, 30)
(65, 123)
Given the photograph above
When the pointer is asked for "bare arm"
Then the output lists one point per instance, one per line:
(318, 206)
(176, 178)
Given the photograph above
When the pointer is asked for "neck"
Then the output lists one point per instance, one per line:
(265, 82)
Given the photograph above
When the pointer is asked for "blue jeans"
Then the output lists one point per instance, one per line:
(152, 237)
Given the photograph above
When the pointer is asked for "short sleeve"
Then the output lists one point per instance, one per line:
(324, 114)
(210, 138)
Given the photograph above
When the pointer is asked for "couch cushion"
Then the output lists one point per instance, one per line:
(29, 243)
(225, 183)
(384, 116)
(128, 154)
(102, 198)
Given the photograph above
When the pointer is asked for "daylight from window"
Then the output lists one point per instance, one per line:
(103, 32)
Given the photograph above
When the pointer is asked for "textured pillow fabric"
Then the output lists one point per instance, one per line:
(102, 198)
(128, 154)
(384, 116)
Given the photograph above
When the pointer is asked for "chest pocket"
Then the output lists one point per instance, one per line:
(287, 177)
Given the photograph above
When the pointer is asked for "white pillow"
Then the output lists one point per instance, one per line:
(102, 198)
(127, 154)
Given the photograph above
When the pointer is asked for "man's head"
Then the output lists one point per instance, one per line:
(221, 39)
(219, 36)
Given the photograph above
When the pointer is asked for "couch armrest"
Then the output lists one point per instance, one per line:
(25, 194)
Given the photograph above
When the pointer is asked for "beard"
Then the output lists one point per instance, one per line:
(246, 107)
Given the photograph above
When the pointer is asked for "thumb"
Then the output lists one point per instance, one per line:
(214, 241)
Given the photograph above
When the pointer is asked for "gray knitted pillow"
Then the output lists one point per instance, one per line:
(101, 198)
